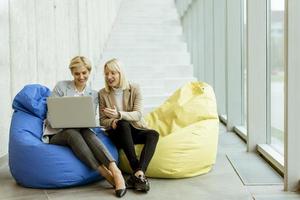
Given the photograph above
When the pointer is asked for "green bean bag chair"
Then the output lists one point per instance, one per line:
(188, 125)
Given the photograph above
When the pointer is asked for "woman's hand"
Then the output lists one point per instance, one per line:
(114, 124)
(111, 113)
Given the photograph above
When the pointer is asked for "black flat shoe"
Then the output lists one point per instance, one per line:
(140, 183)
(120, 192)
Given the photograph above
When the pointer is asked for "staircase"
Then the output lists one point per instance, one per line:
(147, 39)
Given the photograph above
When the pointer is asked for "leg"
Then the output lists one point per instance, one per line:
(106, 174)
(149, 138)
(117, 176)
(109, 168)
(122, 137)
(98, 148)
(73, 139)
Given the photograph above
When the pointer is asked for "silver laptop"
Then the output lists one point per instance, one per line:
(72, 112)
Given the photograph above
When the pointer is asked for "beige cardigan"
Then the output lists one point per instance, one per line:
(132, 107)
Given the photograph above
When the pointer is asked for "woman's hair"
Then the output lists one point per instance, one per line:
(115, 65)
(79, 61)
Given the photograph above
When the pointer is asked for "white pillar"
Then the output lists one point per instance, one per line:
(200, 65)
(220, 54)
(292, 100)
(234, 63)
(209, 42)
(256, 71)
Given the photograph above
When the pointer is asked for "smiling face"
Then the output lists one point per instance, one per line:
(81, 75)
(112, 78)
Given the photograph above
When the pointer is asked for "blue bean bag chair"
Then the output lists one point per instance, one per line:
(38, 165)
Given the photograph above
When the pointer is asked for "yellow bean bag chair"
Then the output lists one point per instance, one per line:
(188, 125)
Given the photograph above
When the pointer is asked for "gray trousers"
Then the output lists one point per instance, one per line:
(85, 145)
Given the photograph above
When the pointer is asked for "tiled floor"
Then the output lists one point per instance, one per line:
(222, 183)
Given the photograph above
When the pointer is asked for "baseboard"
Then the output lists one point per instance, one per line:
(3, 160)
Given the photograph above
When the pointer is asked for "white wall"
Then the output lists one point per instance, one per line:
(38, 39)
(5, 78)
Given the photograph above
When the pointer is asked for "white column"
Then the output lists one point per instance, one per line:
(189, 28)
(292, 100)
(256, 71)
(194, 53)
(209, 41)
(220, 53)
(234, 64)
(201, 62)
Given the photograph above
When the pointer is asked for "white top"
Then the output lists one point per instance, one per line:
(79, 94)
(119, 98)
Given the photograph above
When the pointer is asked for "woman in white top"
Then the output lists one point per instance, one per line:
(83, 141)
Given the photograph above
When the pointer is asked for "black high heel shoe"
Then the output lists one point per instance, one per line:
(120, 192)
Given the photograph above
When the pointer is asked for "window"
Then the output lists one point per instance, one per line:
(276, 74)
(244, 63)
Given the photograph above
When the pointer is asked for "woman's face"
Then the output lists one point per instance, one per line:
(81, 75)
(112, 78)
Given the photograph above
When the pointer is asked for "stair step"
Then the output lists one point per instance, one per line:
(162, 73)
(137, 37)
(153, 48)
(149, 108)
(146, 43)
(184, 60)
(148, 3)
(144, 19)
(153, 10)
(174, 84)
(126, 22)
(144, 35)
(147, 28)
(166, 82)
(138, 40)
(140, 16)
(136, 55)
(149, 18)
(154, 99)
(150, 90)
(142, 51)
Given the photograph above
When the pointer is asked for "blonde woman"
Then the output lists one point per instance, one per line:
(83, 141)
(121, 114)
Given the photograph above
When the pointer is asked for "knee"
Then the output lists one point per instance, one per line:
(123, 124)
(72, 135)
(87, 133)
(153, 135)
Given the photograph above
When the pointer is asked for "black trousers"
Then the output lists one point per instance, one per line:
(125, 136)
(85, 145)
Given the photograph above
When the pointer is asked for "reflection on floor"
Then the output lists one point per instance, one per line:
(222, 183)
